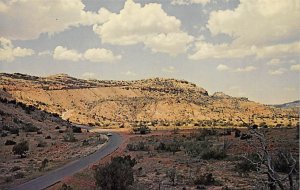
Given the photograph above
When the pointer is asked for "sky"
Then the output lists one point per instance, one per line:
(244, 48)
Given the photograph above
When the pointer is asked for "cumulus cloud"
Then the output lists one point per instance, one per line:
(8, 52)
(257, 21)
(245, 69)
(92, 55)
(46, 52)
(36, 17)
(188, 2)
(279, 71)
(258, 28)
(277, 50)
(204, 50)
(149, 25)
(62, 53)
(100, 55)
(130, 73)
(222, 67)
(295, 67)
(274, 62)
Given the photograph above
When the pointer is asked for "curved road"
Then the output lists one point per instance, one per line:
(69, 169)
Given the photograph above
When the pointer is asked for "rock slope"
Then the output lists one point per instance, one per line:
(155, 101)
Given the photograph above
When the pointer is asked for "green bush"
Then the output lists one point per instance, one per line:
(10, 142)
(213, 153)
(283, 162)
(196, 148)
(21, 148)
(15, 168)
(205, 179)
(30, 128)
(247, 164)
(118, 175)
(140, 146)
(19, 175)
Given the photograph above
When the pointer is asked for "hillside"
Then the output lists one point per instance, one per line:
(153, 101)
(294, 104)
(48, 137)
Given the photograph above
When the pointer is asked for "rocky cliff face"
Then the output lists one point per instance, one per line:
(159, 101)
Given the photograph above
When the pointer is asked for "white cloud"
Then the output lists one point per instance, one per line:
(27, 19)
(204, 50)
(245, 69)
(92, 55)
(274, 62)
(222, 67)
(257, 22)
(100, 55)
(46, 52)
(169, 69)
(172, 43)
(295, 67)
(62, 53)
(279, 50)
(188, 2)
(8, 52)
(279, 71)
(149, 25)
(130, 73)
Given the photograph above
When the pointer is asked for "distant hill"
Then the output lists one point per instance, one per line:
(154, 101)
(294, 104)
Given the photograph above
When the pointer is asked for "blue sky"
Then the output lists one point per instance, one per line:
(244, 48)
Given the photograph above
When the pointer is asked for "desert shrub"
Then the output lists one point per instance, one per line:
(66, 187)
(161, 146)
(39, 132)
(263, 125)
(171, 174)
(61, 131)
(247, 164)
(237, 133)
(48, 137)
(14, 130)
(85, 142)
(205, 179)
(21, 148)
(19, 175)
(69, 137)
(283, 161)
(3, 134)
(118, 175)
(173, 147)
(140, 146)
(8, 179)
(213, 153)
(15, 168)
(41, 143)
(30, 128)
(202, 133)
(195, 148)
(10, 142)
(57, 127)
(44, 164)
(76, 129)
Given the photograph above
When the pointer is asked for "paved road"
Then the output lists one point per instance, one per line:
(71, 168)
